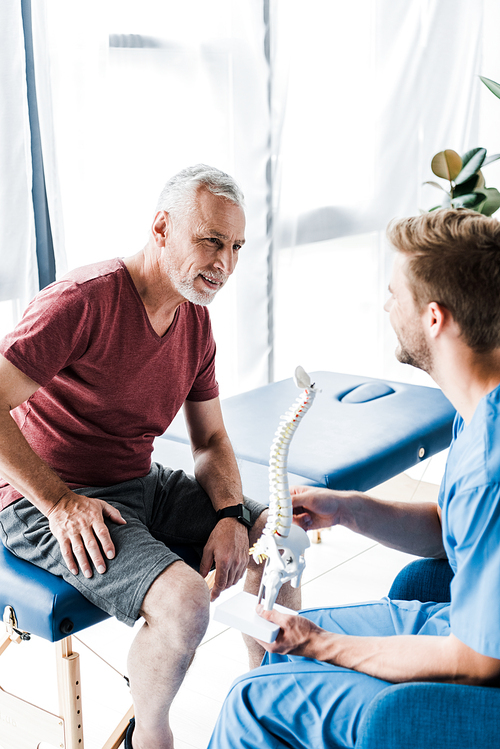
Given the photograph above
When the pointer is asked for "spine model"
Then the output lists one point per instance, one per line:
(282, 544)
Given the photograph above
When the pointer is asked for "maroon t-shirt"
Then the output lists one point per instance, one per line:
(109, 383)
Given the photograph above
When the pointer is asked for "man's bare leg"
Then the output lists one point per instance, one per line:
(287, 596)
(176, 613)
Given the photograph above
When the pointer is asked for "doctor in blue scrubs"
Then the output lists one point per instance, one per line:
(325, 667)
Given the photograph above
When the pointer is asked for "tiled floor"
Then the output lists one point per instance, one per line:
(343, 568)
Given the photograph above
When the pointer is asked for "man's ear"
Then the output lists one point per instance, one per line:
(437, 317)
(160, 227)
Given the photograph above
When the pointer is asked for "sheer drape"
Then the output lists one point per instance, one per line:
(327, 113)
(18, 268)
(142, 90)
(365, 94)
(28, 254)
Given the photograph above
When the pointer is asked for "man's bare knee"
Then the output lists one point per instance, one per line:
(178, 600)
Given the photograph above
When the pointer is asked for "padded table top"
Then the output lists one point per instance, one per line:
(359, 432)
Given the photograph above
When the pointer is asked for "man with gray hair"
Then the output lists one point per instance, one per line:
(98, 367)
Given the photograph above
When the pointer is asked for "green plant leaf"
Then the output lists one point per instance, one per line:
(471, 162)
(446, 164)
(491, 158)
(435, 184)
(494, 87)
(492, 202)
(465, 187)
(471, 200)
(479, 208)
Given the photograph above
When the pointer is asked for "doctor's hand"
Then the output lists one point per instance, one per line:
(78, 524)
(314, 507)
(297, 635)
(227, 546)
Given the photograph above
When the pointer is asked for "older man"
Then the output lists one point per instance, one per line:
(326, 666)
(99, 365)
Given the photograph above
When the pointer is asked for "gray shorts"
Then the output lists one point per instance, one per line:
(164, 509)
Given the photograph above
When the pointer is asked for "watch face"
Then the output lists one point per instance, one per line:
(246, 517)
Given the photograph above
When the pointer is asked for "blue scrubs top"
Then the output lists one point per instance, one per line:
(296, 702)
(469, 498)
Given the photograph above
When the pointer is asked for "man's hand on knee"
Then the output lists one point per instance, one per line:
(227, 547)
(78, 524)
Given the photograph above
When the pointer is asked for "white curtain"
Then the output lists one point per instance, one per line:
(141, 90)
(329, 126)
(365, 93)
(18, 269)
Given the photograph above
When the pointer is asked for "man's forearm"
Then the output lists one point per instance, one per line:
(412, 527)
(217, 472)
(20, 466)
(404, 658)
(396, 658)
(23, 469)
(77, 522)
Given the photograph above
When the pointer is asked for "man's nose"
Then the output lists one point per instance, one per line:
(226, 260)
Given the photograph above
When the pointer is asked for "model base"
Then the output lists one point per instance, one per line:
(239, 612)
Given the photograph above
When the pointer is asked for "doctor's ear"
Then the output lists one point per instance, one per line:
(438, 317)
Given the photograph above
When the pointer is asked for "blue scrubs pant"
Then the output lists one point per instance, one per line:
(299, 703)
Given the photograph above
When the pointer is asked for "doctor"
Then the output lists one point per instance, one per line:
(327, 665)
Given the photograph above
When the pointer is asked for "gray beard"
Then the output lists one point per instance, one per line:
(185, 286)
(202, 298)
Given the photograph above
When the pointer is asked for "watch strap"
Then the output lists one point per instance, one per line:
(240, 512)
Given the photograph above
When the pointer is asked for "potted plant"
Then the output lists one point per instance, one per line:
(467, 187)
(463, 173)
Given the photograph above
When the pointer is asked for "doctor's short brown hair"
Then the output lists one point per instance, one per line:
(454, 260)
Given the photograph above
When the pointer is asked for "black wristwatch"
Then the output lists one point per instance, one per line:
(240, 512)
